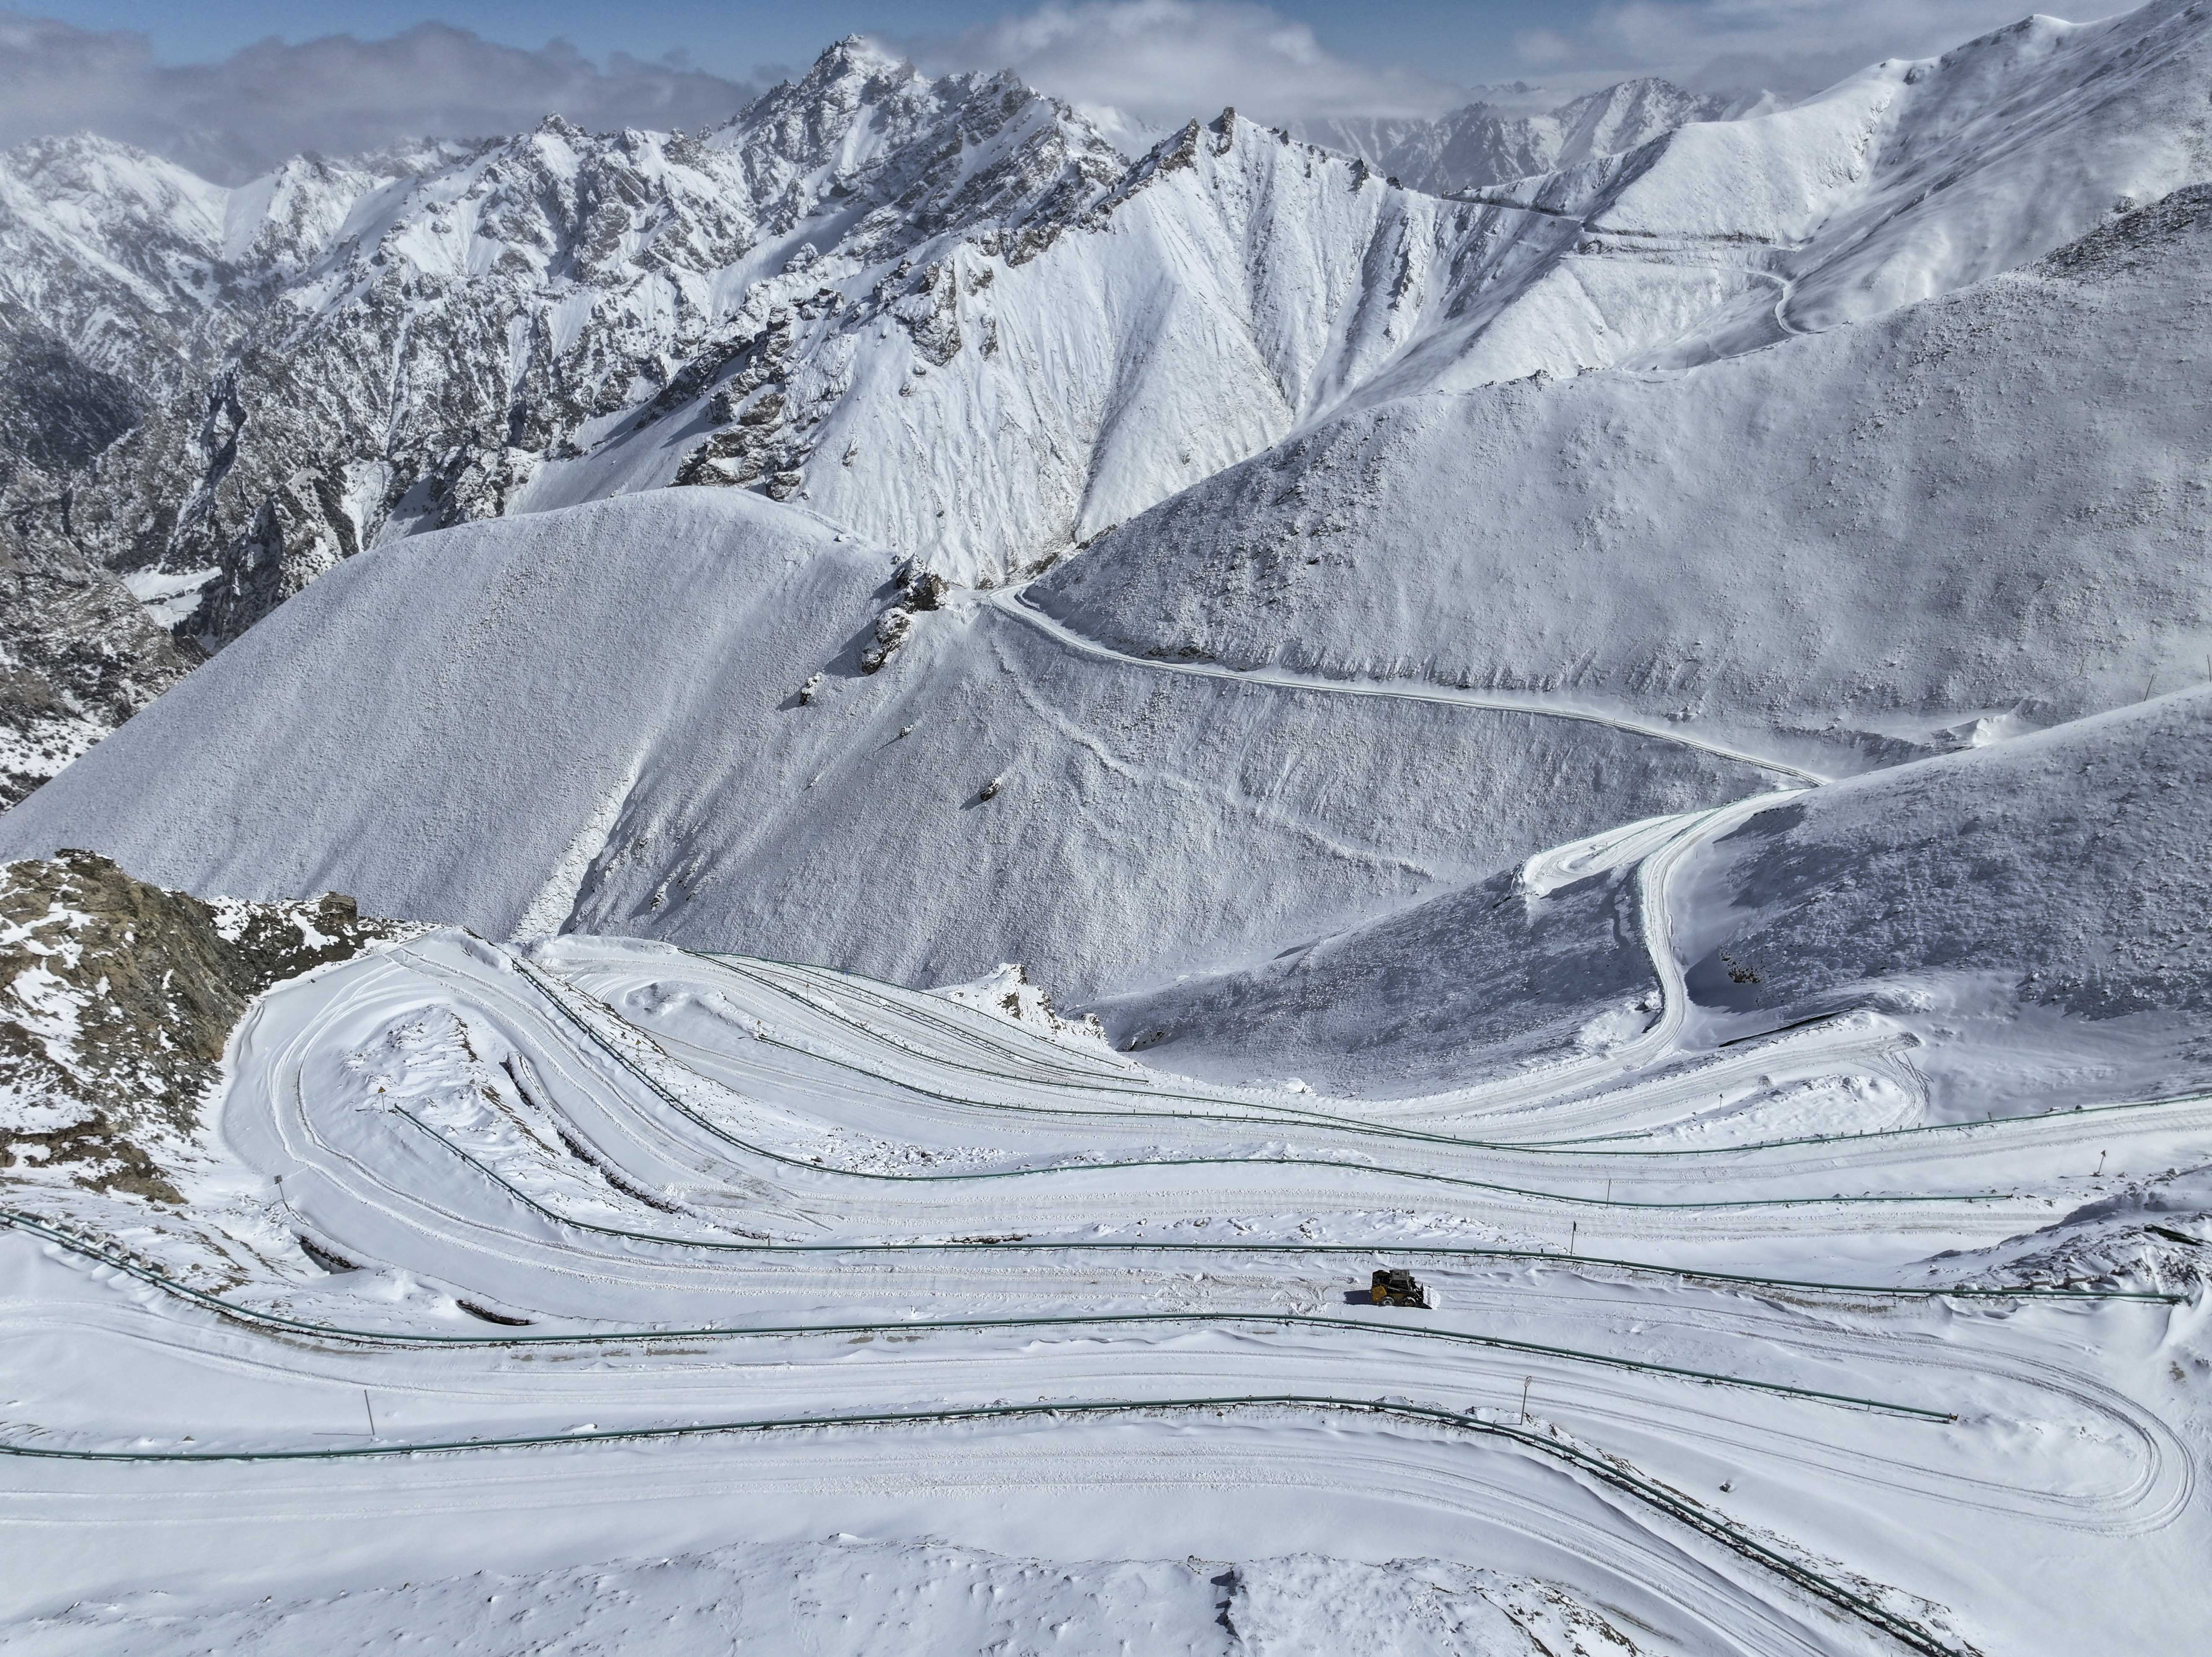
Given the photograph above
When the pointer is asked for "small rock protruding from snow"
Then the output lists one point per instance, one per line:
(892, 627)
(1007, 992)
(920, 588)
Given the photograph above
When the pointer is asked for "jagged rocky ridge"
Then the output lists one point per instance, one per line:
(429, 330)
(115, 1000)
(124, 283)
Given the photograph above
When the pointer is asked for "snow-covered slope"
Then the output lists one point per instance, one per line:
(1966, 516)
(2029, 908)
(1537, 961)
(1996, 931)
(1912, 179)
(594, 719)
(1481, 145)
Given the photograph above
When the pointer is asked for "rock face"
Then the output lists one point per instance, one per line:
(125, 282)
(79, 654)
(117, 999)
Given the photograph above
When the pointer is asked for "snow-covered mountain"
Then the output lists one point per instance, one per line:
(1583, 459)
(1955, 520)
(464, 327)
(810, 299)
(219, 392)
(1480, 145)
(948, 313)
(1313, 689)
(1632, 739)
(124, 283)
(607, 714)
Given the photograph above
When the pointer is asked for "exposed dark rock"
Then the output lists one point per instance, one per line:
(115, 1000)
(78, 653)
(892, 627)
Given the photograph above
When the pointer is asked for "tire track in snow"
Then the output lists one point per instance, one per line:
(1011, 601)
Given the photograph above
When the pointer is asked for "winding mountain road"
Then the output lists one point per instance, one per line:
(622, 1208)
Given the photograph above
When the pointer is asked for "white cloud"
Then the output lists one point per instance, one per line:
(1160, 61)
(232, 119)
(1541, 48)
(1167, 60)
(1790, 44)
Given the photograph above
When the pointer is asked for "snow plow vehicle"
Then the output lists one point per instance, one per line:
(1398, 1288)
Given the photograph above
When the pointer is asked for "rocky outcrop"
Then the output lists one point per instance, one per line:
(115, 1000)
(79, 653)
(541, 297)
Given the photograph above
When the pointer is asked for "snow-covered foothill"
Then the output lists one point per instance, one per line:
(1975, 514)
(601, 719)
(2025, 909)
(2005, 930)
(1477, 982)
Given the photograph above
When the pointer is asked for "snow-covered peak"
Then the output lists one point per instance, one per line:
(113, 184)
(275, 225)
(1482, 145)
(89, 207)
(862, 133)
(1905, 181)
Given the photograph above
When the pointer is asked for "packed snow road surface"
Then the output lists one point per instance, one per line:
(516, 1262)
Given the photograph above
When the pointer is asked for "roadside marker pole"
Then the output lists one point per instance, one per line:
(1525, 1379)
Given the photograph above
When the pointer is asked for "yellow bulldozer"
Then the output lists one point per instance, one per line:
(1398, 1288)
